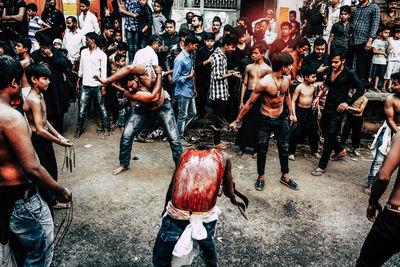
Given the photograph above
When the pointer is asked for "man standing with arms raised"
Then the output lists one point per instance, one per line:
(274, 90)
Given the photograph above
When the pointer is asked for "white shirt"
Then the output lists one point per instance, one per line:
(146, 56)
(89, 24)
(333, 17)
(92, 63)
(73, 42)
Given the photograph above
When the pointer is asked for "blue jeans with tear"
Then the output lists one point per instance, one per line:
(186, 112)
(377, 162)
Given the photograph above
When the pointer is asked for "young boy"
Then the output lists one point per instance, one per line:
(43, 133)
(158, 18)
(145, 20)
(354, 123)
(22, 48)
(383, 138)
(341, 31)
(302, 101)
(393, 58)
(35, 25)
(380, 48)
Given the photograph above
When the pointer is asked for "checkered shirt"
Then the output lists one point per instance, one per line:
(219, 67)
(366, 22)
(132, 6)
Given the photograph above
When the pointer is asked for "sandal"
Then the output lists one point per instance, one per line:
(317, 172)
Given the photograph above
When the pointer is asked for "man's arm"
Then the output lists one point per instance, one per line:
(227, 179)
(123, 11)
(288, 101)
(177, 76)
(382, 180)
(355, 81)
(121, 73)
(294, 100)
(360, 109)
(244, 86)
(389, 112)
(17, 134)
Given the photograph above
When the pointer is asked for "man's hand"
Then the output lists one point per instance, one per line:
(233, 125)
(322, 68)
(65, 196)
(292, 119)
(368, 45)
(157, 69)
(48, 52)
(241, 106)
(112, 47)
(77, 88)
(169, 78)
(342, 107)
(236, 74)
(371, 211)
(65, 142)
(315, 103)
(191, 75)
(103, 91)
(100, 80)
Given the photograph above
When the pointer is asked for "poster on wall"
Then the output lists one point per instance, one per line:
(70, 8)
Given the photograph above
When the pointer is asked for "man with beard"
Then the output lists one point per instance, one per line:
(188, 24)
(318, 60)
(274, 90)
(74, 40)
(216, 28)
(170, 38)
(55, 18)
(339, 80)
(197, 24)
(391, 16)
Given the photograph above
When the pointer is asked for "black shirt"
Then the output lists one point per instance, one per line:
(312, 61)
(340, 87)
(200, 36)
(203, 71)
(54, 18)
(12, 8)
(168, 42)
(314, 21)
(279, 44)
(238, 55)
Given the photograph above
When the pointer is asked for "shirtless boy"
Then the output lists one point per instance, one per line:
(19, 167)
(23, 48)
(247, 135)
(274, 90)
(144, 86)
(383, 138)
(302, 100)
(383, 239)
(43, 133)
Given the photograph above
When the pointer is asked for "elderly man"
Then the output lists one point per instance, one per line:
(391, 16)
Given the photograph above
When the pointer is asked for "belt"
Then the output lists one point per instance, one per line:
(191, 212)
(25, 192)
(393, 208)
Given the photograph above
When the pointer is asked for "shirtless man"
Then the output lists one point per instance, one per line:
(144, 86)
(43, 133)
(191, 200)
(274, 90)
(23, 48)
(302, 101)
(383, 239)
(383, 138)
(247, 135)
(23, 211)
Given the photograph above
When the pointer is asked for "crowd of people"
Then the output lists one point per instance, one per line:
(134, 70)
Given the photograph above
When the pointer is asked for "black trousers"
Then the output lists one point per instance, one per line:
(331, 123)
(382, 241)
(218, 111)
(281, 129)
(353, 124)
(306, 127)
(363, 60)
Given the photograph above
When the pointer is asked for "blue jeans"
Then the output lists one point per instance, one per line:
(169, 234)
(136, 122)
(132, 38)
(88, 92)
(377, 162)
(32, 224)
(186, 112)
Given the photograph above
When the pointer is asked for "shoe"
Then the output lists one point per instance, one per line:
(186, 143)
(99, 130)
(77, 134)
(259, 185)
(291, 157)
(339, 156)
(106, 133)
(291, 184)
(356, 153)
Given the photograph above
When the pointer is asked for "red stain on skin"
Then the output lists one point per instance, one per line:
(197, 179)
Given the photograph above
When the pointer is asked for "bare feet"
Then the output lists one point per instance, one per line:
(291, 157)
(119, 170)
(367, 190)
(59, 206)
(255, 155)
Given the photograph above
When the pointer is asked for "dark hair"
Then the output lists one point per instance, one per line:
(191, 39)
(160, 2)
(229, 28)
(8, 50)
(390, 1)
(319, 41)
(122, 46)
(36, 70)
(280, 60)
(72, 18)
(189, 12)
(107, 26)
(216, 18)
(10, 69)
(85, 2)
(119, 56)
(208, 36)
(297, 24)
(93, 36)
(170, 21)
(203, 147)
(346, 9)
(184, 32)
(395, 76)
(43, 39)
(101, 43)
(155, 39)
(292, 12)
(337, 53)
(396, 30)
(200, 17)
(307, 71)
(288, 24)
(301, 42)
(261, 47)
(228, 39)
(382, 29)
(239, 31)
(31, 6)
(26, 43)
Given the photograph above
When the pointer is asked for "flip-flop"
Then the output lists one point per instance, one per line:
(318, 172)
(59, 206)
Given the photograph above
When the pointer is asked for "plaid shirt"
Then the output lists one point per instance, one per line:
(132, 6)
(366, 22)
(219, 67)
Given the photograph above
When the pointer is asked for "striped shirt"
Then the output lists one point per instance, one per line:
(35, 24)
(366, 22)
(218, 85)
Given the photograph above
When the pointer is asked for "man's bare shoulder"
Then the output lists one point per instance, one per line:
(9, 117)
(25, 62)
(32, 99)
(393, 99)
